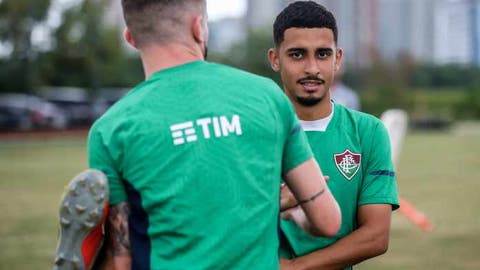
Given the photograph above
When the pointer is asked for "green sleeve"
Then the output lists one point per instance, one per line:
(296, 148)
(100, 158)
(379, 183)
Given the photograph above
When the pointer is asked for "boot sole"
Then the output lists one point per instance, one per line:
(82, 211)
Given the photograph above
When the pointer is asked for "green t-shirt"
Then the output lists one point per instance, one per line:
(198, 151)
(354, 151)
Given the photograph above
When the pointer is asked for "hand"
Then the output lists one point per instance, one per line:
(287, 264)
(287, 200)
(294, 213)
(297, 215)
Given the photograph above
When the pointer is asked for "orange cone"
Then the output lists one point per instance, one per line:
(415, 216)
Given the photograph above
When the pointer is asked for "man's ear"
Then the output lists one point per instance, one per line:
(200, 29)
(129, 38)
(338, 59)
(273, 59)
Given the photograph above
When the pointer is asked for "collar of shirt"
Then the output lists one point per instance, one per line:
(319, 124)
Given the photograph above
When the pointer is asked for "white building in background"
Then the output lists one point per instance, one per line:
(262, 13)
(453, 40)
(365, 33)
(435, 31)
(476, 31)
(421, 37)
(356, 23)
(395, 35)
(405, 27)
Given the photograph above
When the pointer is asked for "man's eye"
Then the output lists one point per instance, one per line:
(323, 54)
(296, 55)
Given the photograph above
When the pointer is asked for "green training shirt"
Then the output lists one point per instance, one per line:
(354, 151)
(198, 151)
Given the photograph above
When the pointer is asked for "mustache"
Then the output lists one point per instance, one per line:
(311, 79)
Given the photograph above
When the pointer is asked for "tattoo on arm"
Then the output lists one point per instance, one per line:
(117, 230)
(312, 198)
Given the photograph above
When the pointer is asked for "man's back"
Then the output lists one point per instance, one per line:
(199, 149)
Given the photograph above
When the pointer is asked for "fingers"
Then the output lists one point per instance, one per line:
(287, 199)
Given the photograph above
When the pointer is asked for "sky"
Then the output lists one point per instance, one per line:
(218, 9)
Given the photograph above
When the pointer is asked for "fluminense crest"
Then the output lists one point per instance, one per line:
(348, 163)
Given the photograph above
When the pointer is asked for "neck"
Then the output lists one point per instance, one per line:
(156, 58)
(319, 111)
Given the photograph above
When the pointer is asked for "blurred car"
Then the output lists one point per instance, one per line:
(105, 98)
(74, 101)
(27, 112)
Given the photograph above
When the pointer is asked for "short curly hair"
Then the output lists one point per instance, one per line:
(303, 14)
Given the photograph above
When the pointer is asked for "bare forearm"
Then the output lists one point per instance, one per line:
(118, 242)
(351, 250)
(369, 240)
(313, 195)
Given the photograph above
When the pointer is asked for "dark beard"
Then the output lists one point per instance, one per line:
(308, 101)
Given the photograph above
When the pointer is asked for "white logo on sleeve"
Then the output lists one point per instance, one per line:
(212, 127)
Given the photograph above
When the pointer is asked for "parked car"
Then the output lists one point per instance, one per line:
(73, 101)
(27, 112)
(105, 98)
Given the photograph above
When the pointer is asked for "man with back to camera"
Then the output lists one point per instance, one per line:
(194, 154)
(352, 147)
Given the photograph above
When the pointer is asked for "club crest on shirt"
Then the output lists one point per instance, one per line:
(348, 163)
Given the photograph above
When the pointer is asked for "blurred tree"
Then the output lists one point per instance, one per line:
(428, 75)
(17, 21)
(251, 54)
(384, 86)
(88, 52)
(469, 107)
(257, 45)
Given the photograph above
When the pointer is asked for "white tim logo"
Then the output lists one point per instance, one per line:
(221, 126)
(183, 132)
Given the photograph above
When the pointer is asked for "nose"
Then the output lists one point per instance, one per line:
(312, 67)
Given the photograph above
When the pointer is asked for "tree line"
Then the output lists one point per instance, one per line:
(85, 51)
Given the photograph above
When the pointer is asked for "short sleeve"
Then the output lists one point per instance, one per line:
(296, 148)
(99, 158)
(379, 183)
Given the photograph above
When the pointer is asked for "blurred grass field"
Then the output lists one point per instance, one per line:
(438, 172)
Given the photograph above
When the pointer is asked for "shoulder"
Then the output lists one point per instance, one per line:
(251, 84)
(243, 76)
(360, 123)
(119, 112)
(360, 119)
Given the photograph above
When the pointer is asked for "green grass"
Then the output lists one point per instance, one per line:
(438, 172)
(32, 177)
